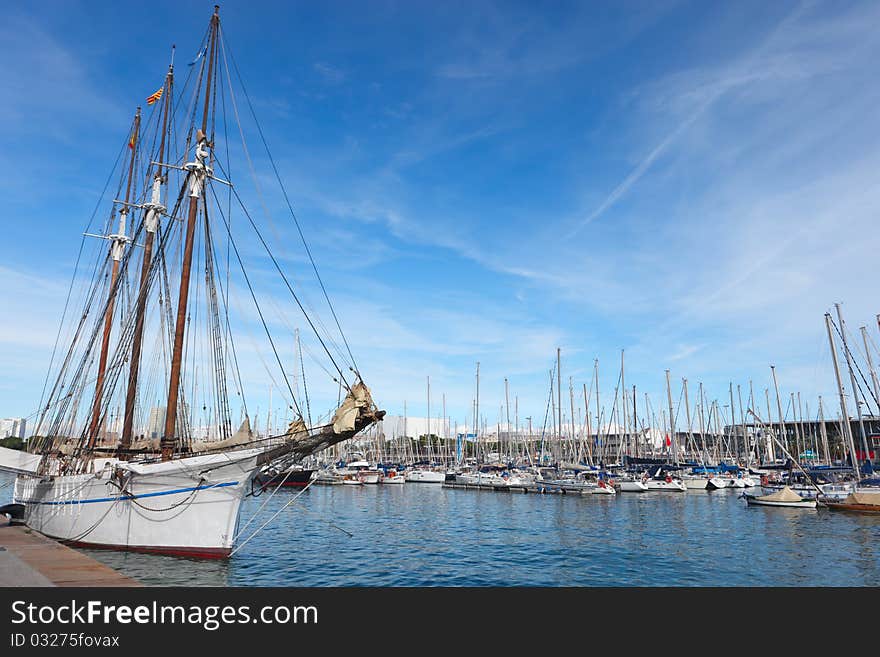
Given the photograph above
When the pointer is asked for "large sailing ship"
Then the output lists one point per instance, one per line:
(107, 467)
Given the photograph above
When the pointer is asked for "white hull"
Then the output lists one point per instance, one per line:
(632, 486)
(604, 489)
(426, 476)
(696, 483)
(397, 479)
(661, 484)
(805, 504)
(186, 506)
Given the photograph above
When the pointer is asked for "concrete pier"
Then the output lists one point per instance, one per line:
(27, 558)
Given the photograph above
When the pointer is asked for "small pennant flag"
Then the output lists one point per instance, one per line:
(131, 141)
(668, 442)
(156, 96)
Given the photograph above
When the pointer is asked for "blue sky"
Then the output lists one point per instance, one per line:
(692, 182)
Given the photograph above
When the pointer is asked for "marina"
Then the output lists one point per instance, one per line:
(435, 536)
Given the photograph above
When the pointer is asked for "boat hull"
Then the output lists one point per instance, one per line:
(295, 479)
(185, 507)
(661, 484)
(426, 477)
(855, 508)
(632, 487)
(757, 501)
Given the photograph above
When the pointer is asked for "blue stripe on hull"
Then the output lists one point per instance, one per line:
(135, 497)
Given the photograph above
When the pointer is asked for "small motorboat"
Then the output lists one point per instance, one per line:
(393, 477)
(786, 497)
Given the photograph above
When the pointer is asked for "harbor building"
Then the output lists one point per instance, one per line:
(14, 427)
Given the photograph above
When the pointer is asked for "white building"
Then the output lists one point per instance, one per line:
(398, 426)
(13, 426)
(156, 423)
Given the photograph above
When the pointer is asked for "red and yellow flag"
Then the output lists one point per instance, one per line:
(156, 96)
(131, 141)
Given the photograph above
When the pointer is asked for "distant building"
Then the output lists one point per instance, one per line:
(13, 426)
(398, 426)
(156, 423)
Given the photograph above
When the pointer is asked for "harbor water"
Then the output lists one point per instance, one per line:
(427, 535)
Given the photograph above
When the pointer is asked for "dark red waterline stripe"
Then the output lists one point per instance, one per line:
(195, 552)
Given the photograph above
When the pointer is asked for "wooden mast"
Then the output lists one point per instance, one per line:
(198, 173)
(151, 224)
(116, 250)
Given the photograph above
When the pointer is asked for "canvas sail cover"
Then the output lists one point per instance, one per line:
(785, 495)
(863, 497)
(18, 461)
(356, 400)
(240, 437)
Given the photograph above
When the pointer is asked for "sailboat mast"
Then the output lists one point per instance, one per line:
(783, 433)
(559, 394)
(844, 416)
(824, 432)
(117, 248)
(198, 171)
(874, 380)
(477, 416)
(507, 413)
(151, 224)
(624, 405)
(745, 432)
(672, 440)
(852, 379)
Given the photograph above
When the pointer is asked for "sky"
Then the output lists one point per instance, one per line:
(691, 182)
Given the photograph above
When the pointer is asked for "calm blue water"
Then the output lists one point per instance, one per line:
(424, 535)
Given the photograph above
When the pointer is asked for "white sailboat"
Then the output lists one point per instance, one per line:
(89, 481)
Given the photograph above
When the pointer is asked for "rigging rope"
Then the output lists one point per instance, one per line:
(283, 190)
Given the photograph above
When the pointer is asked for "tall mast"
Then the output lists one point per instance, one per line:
(559, 394)
(117, 248)
(151, 224)
(588, 430)
(635, 432)
(874, 380)
(625, 403)
(745, 432)
(733, 422)
(770, 452)
(477, 416)
(672, 439)
(852, 379)
(198, 172)
(687, 410)
(598, 418)
(571, 438)
(823, 431)
(847, 429)
(507, 411)
(783, 434)
(429, 453)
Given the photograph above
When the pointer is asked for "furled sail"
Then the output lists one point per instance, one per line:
(355, 414)
(17, 461)
(240, 437)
